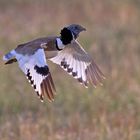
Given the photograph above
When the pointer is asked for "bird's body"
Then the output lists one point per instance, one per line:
(64, 51)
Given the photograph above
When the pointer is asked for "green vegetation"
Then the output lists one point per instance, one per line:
(110, 112)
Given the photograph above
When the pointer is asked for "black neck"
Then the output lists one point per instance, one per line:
(66, 36)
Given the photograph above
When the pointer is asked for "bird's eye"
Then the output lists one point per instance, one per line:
(76, 27)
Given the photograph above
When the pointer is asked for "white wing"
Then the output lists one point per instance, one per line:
(79, 64)
(37, 72)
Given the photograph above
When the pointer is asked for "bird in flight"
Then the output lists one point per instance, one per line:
(63, 50)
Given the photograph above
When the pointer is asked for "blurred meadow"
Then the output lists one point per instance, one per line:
(109, 112)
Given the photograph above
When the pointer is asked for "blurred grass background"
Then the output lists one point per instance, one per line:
(110, 112)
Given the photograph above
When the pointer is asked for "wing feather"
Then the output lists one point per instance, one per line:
(74, 72)
(76, 61)
(37, 73)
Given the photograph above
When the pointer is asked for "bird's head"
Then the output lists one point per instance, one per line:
(76, 29)
(70, 33)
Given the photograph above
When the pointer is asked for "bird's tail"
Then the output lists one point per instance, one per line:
(9, 57)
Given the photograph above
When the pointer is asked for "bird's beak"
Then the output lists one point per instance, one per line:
(83, 29)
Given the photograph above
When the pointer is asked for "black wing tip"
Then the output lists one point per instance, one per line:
(94, 74)
(48, 88)
(11, 61)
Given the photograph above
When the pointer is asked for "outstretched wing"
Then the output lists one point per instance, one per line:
(37, 73)
(75, 60)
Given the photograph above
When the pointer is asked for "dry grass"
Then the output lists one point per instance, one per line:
(111, 112)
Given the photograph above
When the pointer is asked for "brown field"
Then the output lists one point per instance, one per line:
(109, 112)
